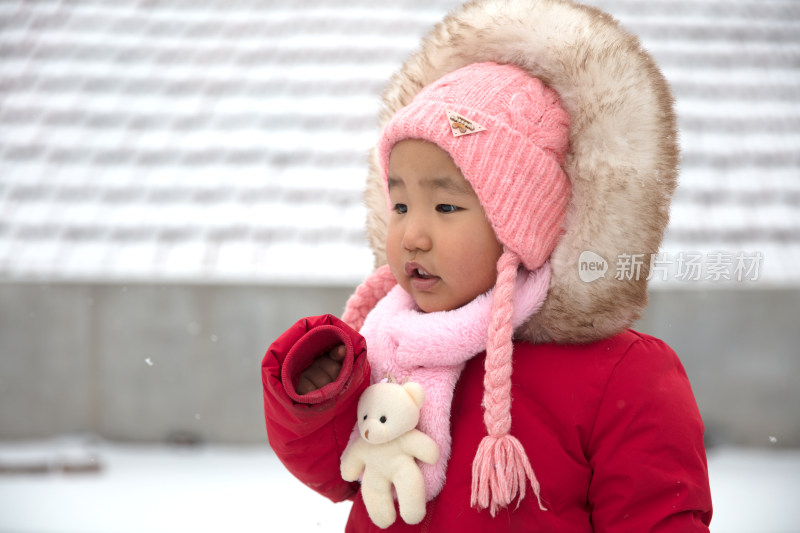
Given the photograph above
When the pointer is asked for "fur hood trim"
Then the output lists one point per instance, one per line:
(623, 154)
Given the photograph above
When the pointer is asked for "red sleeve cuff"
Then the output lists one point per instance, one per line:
(302, 354)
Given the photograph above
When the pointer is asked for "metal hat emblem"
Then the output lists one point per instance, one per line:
(461, 125)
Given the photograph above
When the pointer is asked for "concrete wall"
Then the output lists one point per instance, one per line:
(142, 362)
(154, 363)
(741, 350)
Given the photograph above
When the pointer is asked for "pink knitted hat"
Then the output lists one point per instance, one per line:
(508, 134)
(513, 163)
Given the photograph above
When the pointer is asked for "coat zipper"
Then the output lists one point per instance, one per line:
(428, 516)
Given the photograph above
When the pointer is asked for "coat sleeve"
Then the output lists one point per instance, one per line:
(309, 432)
(646, 449)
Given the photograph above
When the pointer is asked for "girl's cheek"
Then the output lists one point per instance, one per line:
(393, 253)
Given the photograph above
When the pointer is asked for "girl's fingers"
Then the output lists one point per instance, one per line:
(329, 366)
(316, 376)
(338, 353)
(304, 385)
(325, 369)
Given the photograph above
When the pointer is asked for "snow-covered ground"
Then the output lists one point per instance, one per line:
(143, 489)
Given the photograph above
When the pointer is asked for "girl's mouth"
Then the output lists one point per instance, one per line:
(421, 279)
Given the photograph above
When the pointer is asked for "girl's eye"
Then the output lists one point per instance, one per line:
(447, 208)
(400, 208)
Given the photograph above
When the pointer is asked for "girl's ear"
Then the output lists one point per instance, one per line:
(416, 392)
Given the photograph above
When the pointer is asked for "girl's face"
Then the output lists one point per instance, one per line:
(440, 245)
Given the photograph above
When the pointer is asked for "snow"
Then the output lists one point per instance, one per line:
(166, 489)
(147, 488)
(755, 491)
(117, 117)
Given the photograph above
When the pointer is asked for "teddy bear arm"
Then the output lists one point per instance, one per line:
(353, 462)
(421, 446)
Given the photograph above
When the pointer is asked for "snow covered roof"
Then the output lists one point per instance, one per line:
(223, 140)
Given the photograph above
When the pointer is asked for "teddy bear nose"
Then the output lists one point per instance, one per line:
(366, 434)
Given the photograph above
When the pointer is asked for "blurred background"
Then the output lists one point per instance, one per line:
(180, 181)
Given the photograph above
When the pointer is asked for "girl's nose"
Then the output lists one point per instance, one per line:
(416, 236)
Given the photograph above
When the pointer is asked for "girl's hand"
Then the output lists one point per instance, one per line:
(325, 369)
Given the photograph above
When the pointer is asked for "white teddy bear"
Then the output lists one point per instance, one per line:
(388, 414)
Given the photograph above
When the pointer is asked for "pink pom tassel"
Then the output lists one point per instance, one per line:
(501, 470)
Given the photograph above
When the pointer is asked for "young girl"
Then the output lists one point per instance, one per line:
(521, 135)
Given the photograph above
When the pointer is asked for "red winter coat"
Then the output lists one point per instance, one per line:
(611, 429)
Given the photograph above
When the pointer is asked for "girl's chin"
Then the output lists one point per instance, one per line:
(428, 303)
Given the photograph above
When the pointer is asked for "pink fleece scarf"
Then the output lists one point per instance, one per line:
(432, 348)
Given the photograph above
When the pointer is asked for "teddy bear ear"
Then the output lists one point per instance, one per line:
(416, 392)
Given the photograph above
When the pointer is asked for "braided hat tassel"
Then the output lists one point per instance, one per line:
(367, 295)
(501, 469)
